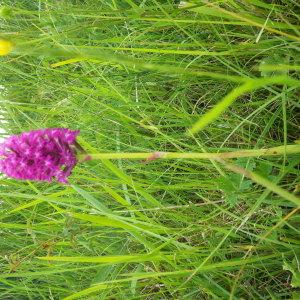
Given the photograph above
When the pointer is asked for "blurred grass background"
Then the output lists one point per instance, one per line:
(136, 76)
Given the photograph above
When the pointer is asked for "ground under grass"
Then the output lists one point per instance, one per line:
(144, 76)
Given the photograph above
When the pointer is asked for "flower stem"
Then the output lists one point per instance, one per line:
(275, 151)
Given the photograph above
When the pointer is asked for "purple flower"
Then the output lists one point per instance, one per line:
(40, 155)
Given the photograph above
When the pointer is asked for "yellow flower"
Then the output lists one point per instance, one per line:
(5, 47)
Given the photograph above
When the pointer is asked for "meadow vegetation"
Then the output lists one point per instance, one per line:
(147, 76)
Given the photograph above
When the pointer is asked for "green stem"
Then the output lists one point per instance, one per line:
(281, 150)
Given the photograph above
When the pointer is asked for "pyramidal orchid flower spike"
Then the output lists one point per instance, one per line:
(46, 154)
(40, 155)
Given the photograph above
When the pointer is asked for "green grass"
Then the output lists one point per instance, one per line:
(148, 76)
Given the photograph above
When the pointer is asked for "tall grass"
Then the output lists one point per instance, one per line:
(154, 76)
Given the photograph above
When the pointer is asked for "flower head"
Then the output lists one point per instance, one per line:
(40, 155)
(5, 47)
